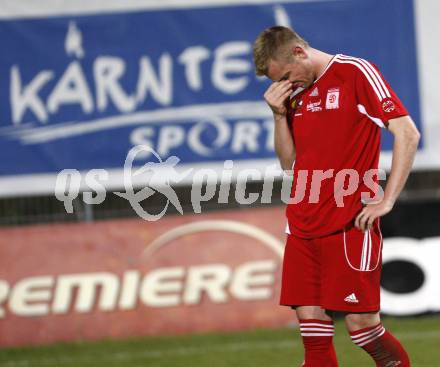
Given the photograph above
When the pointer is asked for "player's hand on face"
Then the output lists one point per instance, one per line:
(370, 213)
(276, 96)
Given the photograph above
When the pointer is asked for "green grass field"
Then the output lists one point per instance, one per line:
(421, 337)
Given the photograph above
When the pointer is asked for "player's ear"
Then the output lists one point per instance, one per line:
(299, 52)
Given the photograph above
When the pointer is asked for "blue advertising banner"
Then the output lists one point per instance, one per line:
(80, 91)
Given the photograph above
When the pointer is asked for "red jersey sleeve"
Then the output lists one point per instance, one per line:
(375, 97)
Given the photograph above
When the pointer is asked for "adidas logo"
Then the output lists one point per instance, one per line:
(351, 298)
(314, 92)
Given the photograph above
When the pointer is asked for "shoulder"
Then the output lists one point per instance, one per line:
(352, 66)
(365, 75)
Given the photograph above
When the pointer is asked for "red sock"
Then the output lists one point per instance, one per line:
(383, 347)
(317, 337)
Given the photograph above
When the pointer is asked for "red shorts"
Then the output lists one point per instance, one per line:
(339, 272)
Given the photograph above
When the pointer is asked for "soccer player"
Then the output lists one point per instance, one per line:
(328, 112)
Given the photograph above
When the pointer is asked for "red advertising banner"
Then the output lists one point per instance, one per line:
(123, 278)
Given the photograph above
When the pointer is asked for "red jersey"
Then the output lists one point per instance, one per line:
(335, 125)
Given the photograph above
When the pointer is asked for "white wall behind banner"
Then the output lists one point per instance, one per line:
(78, 93)
(427, 25)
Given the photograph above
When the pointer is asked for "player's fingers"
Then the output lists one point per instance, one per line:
(360, 222)
(281, 89)
(357, 220)
(362, 225)
(287, 88)
(370, 221)
(276, 85)
(267, 94)
(363, 219)
(286, 94)
(366, 220)
(270, 97)
(272, 86)
(285, 84)
(278, 100)
(269, 90)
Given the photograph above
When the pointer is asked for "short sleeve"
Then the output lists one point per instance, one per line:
(375, 97)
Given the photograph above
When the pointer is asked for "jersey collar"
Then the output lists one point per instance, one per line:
(327, 67)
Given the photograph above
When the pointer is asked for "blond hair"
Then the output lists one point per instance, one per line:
(271, 44)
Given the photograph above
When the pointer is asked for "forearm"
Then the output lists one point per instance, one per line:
(276, 96)
(406, 139)
(404, 150)
(284, 146)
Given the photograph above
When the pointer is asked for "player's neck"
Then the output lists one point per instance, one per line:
(320, 61)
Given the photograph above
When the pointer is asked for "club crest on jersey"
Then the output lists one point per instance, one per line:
(388, 106)
(314, 106)
(332, 101)
(293, 104)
